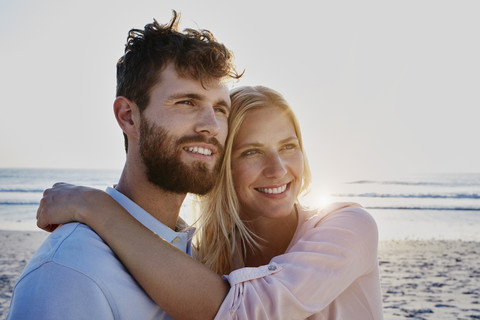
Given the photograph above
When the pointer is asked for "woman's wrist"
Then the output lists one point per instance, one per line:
(91, 200)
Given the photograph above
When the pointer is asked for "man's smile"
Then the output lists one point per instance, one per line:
(200, 150)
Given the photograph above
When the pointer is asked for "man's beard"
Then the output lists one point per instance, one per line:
(161, 155)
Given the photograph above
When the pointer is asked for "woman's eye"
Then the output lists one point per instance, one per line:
(249, 152)
(289, 146)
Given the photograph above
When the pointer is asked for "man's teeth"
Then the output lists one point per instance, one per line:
(273, 190)
(200, 150)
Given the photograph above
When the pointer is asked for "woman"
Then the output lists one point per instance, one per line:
(283, 261)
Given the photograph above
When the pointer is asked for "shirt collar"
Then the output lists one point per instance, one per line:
(182, 240)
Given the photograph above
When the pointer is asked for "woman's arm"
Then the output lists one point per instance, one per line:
(332, 258)
(183, 287)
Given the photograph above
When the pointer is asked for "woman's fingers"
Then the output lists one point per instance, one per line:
(45, 218)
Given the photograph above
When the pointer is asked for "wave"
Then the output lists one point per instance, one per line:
(423, 208)
(419, 183)
(19, 203)
(406, 183)
(412, 195)
(21, 190)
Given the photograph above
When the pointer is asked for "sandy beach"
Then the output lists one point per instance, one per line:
(430, 279)
(420, 279)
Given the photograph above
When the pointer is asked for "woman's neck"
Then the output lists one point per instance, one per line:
(276, 235)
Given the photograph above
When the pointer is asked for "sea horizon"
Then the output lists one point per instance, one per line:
(443, 206)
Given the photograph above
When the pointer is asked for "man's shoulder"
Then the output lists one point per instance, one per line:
(73, 262)
(74, 246)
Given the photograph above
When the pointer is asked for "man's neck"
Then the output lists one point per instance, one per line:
(162, 205)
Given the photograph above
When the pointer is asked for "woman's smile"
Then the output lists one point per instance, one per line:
(279, 190)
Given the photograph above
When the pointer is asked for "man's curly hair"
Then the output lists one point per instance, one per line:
(195, 53)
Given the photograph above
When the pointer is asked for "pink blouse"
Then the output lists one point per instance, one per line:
(329, 271)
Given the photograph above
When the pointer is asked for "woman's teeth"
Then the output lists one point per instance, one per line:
(273, 190)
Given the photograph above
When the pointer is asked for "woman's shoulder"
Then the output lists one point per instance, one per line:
(333, 209)
(340, 229)
(339, 215)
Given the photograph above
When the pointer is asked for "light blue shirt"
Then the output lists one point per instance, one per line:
(75, 275)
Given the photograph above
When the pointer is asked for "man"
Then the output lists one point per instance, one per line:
(172, 105)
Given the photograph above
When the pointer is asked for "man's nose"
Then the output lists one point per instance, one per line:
(207, 122)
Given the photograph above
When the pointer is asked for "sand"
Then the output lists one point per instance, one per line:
(420, 279)
(430, 279)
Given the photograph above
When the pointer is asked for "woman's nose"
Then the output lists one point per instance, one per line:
(274, 166)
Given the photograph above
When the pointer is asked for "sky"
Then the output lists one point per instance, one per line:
(380, 88)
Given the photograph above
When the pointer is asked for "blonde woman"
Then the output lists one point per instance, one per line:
(280, 260)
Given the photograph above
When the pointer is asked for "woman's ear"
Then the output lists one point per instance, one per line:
(127, 114)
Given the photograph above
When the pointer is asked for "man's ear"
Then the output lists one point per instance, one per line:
(128, 116)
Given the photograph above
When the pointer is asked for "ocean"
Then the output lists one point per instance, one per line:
(22, 189)
(423, 206)
(429, 206)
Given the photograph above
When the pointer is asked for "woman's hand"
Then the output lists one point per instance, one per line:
(63, 203)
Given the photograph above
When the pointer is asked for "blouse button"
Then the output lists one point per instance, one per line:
(176, 240)
(271, 267)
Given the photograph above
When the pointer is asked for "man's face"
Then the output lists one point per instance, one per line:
(183, 131)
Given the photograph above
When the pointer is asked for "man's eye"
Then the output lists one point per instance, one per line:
(187, 102)
(221, 110)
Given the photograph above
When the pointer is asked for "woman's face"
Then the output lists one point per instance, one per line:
(267, 164)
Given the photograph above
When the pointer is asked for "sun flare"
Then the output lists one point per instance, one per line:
(317, 199)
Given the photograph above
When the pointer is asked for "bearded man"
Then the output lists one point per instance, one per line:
(172, 105)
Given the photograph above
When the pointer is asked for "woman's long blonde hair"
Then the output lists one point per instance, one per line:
(221, 231)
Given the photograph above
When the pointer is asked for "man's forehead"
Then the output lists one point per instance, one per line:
(171, 69)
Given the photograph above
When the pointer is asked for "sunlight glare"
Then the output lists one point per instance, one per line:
(317, 199)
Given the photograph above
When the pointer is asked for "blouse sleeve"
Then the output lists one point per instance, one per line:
(330, 254)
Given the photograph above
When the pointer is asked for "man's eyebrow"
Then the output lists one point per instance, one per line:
(184, 95)
(223, 103)
(196, 96)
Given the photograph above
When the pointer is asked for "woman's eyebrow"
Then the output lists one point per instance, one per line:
(249, 145)
(258, 144)
(289, 139)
